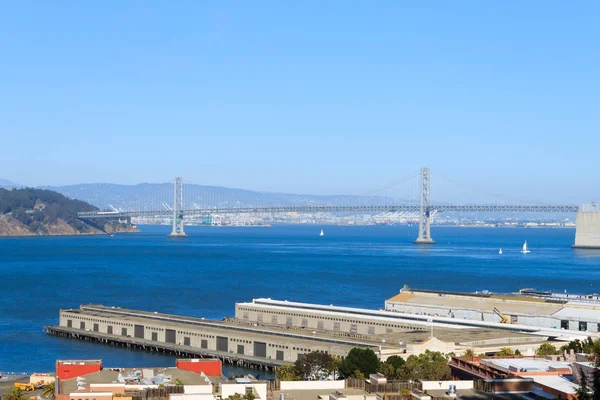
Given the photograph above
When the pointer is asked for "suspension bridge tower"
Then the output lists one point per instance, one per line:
(425, 212)
(177, 208)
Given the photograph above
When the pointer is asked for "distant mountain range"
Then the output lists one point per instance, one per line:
(147, 196)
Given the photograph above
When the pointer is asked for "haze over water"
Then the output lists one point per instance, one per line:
(205, 274)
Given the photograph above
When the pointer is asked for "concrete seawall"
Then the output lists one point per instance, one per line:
(587, 235)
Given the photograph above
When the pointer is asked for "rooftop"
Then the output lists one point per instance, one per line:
(142, 377)
(528, 364)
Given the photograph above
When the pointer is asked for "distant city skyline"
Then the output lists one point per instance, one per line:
(310, 98)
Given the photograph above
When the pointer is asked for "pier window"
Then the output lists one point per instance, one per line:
(109, 330)
(246, 316)
(320, 325)
(279, 355)
(336, 326)
(582, 326)
(204, 344)
(186, 341)
(240, 349)
(155, 336)
(96, 328)
(69, 323)
(123, 331)
(81, 325)
(259, 318)
(288, 321)
(371, 330)
(305, 323)
(274, 319)
(353, 328)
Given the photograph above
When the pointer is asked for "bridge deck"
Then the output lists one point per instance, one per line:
(336, 209)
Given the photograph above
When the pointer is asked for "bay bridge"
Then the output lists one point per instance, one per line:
(424, 209)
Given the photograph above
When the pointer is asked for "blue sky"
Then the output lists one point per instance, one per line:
(307, 96)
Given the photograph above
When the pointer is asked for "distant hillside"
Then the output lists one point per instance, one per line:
(26, 212)
(5, 183)
(147, 196)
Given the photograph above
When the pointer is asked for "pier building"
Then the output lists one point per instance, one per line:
(553, 314)
(269, 333)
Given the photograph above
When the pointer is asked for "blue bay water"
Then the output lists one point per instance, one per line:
(206, 273)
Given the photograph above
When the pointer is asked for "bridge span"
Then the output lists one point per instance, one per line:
(333, 209)
(426, 210)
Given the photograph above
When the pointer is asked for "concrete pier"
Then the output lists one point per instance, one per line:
(587, 235)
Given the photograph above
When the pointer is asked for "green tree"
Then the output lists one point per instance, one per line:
(518, 352)
(505, 352)
(583, 391)
(14, 393)
(547, 349)
(178, 382)
(314, 365)
(363, 360)
(287, 373)
(579, 346)
(235, 396)
(429, 366)
(49, 390)
(391, 367)
(250, 396)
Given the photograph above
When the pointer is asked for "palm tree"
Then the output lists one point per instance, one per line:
(469, 353)
(14, 393)
(50, 390)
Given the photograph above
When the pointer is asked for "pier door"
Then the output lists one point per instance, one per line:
(260, 349)
(138, 331)
(170, 336)
(222, 344)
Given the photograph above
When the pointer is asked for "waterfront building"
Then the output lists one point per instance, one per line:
(559, 315)
(269, 333)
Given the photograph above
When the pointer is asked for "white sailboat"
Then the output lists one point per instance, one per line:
(525, 248)
(500, 251)
(322, 233)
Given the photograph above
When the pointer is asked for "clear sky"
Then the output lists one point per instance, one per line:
(307, 96)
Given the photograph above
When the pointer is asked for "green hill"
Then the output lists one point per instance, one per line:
(26, 212)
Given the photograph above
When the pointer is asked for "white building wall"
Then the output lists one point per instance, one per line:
(193, 396)
(438, 385)
(229, 389)
(312, 385)
(197, 389)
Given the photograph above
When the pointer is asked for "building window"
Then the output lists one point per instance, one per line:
(123, 331)
(245, 316)
(371, 330)
(582, 326)
(305, 323)
(564, 324)
(288, 321)
(336, 326)
(259, 318)
(274, 319)
(353, 328)
(320, 325)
